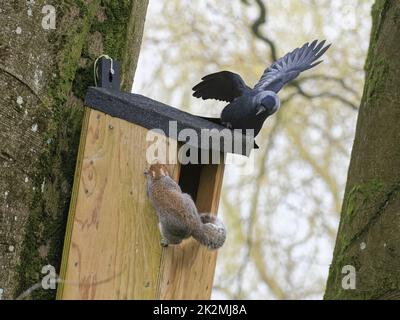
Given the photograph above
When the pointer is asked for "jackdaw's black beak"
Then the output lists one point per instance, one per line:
(260, 109)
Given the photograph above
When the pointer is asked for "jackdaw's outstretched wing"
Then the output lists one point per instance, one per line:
(224, 86)
(291, 65)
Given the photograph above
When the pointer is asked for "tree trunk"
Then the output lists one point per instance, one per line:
(44, 74)
(369, 230)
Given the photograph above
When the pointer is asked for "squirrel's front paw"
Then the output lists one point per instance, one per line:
(164, 243)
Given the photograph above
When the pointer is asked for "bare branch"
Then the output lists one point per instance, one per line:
(334, 79)
(326, 94)
(258, 23)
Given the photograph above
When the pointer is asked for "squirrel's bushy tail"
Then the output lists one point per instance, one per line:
(211, 233)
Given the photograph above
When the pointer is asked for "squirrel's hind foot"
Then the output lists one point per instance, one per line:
(163, 244)
(207, 218)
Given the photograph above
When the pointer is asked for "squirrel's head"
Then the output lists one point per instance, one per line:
(157, 171)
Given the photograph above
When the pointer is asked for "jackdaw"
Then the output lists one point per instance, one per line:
(249, 108)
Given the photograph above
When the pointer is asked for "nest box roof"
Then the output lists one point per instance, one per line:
(152, 114)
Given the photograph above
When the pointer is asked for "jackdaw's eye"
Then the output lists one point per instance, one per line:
(268, 102)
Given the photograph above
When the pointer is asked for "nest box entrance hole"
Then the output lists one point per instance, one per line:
(189, 178)
(199, 180)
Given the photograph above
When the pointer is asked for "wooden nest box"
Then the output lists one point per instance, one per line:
(112, 245)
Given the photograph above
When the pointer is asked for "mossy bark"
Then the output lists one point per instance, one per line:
(369, 231)
(43, 78)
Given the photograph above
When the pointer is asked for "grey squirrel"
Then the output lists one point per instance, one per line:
(177, 214)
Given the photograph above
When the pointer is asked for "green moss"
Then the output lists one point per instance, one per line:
(47, 220)
(367, 208)
(396, 17)
(377, 69)
(359, 196)
(48, 211)
(73, 42)
(378, 14)
(377, 80)
(356, 200)
(114, 28)
(83, 79)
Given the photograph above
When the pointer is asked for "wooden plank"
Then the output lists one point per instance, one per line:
(187, 270)
(112, 248)
(74, 197)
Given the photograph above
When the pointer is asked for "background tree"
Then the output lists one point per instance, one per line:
(368, 237)
(43, 78)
